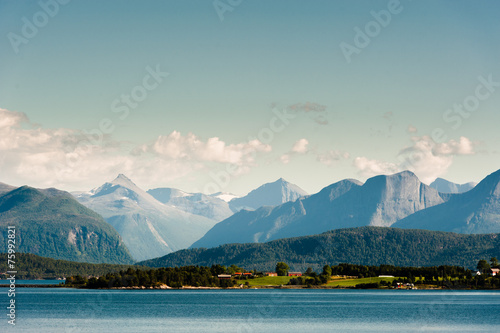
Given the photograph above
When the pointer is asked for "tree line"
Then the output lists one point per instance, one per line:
(32, 267)
(443, 276)
(455, 277)
(175, 277)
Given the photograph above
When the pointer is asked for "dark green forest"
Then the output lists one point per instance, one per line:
(177, 277)
(371, 246)
(30, 266)
(451, 277)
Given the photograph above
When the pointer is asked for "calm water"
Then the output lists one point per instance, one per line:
(68, 310)
(19, 282)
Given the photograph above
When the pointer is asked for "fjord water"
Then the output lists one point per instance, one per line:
(41, 282)
(71, 310)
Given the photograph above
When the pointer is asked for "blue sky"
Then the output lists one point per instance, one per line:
(208, 124)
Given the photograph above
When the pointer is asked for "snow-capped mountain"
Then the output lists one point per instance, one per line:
(149, 228)
(195, 203)
(224, 196)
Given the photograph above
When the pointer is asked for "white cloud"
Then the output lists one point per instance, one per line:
(285, 159)
(69, 159)
(426, 158)
(190, 147)
(462, 147)
(300, 147)
(9, 118)
(370, 168)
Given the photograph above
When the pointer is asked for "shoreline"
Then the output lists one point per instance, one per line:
(267, 287)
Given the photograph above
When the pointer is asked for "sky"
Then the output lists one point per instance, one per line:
(226, 95)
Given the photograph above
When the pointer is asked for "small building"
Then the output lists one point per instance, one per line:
(271, 274)
(495, 271)
(294, 274)
(224, 276)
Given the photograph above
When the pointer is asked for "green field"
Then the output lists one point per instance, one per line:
(283, 280)
(268, 281)
(354, 282)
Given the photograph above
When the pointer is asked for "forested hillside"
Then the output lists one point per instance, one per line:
(364, 246)
(30, 266)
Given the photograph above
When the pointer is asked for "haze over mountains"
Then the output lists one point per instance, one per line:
(445, 186)
(148, 227)
(220, 206)
(194, 203)
(474, 212)
(143, 225)
(270, 194)
(165, 220)
(381, 201)
(4, 188)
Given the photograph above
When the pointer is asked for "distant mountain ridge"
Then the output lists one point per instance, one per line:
(51, 223)
(194, 203)
(381, 201)
(473, 212)
(269, 194)
(219, 206)
(4, 188)
(445, 186)
(364, 246)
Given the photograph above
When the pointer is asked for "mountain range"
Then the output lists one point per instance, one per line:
(381, 201)
(474, 212)
(164, 220)
(52, 223)
(220, 206)
(140, 225)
